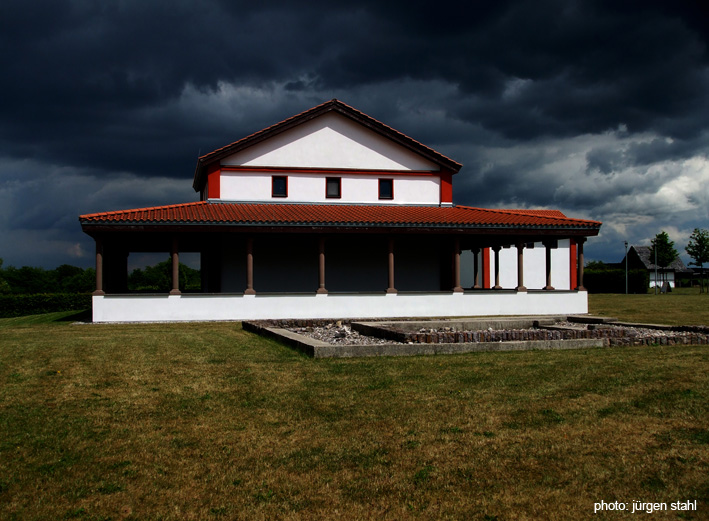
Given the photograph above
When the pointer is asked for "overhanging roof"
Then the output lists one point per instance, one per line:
(333, 105)
(218, 214)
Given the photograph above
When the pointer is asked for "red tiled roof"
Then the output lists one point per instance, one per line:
(278, 214)
(332, 105)
(546, 213)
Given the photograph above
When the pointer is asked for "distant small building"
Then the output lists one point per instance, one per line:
(640, 258)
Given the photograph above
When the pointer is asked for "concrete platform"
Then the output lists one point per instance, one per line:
(319, 349)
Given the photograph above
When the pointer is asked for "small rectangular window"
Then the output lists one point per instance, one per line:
(333, 187)
(279, 186)
(386, 189)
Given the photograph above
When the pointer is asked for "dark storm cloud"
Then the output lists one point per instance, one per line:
(78, 77)
(551, 102)
(579, 67)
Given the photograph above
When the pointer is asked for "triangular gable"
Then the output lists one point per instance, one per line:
(352, 129)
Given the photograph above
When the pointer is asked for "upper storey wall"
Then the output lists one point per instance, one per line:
(330, 141)
(330, 146)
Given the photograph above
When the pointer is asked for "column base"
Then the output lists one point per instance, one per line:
(458, 289)
(548, 288)
(521, 289)
(321, 291)
(497, 287)
(392, 291)
(175, 292)
(249, 292)
(581, 288)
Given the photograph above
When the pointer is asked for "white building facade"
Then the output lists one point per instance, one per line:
(332, 214)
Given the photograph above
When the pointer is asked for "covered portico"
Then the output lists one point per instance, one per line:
(336, 268)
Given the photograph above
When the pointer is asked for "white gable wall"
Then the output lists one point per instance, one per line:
(330, 141)
(337, 147)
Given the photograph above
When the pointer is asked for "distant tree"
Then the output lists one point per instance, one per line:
(597, 265)
(29, 279)
(4, 286)
(665, 249)
(698, 249)
(158, 278)
(81, 281)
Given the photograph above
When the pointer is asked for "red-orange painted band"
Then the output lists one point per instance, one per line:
(214, 181)
(327, 171)
(486, 267)
(573, 264)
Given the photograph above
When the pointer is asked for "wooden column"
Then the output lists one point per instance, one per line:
(249, 267)
(99, 268)
(391, 288)
(321, 267)
(457, 288)
(496, 249)
(476, 268)
(579, 244)
(175, 268)
(520, 267)
(547, 259)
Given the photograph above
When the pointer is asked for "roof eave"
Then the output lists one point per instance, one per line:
(488, 228)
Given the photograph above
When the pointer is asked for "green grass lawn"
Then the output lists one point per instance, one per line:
(207, 421)
(680, 307)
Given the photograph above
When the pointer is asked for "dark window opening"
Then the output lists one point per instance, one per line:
(279, 186)
(333, 188)
(386, 189)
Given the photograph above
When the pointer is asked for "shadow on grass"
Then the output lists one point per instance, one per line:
(76, 316)
(48, 318)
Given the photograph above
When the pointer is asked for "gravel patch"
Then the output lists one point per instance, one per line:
(339, 334)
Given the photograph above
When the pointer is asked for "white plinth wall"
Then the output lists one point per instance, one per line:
(212, 307)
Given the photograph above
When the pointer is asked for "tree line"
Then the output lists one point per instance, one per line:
(663, 249)
(29, 280)
(610, 278)
(698, 249)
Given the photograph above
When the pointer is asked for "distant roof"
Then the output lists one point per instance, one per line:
(340, 215)
(333, 105)
(645, 257)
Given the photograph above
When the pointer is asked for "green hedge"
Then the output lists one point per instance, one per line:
(613, 281)
(21, 305)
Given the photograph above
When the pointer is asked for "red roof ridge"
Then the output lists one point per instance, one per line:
(144, 209)
(549, 214)
(332, 105)
(264, 130)
(397, 132)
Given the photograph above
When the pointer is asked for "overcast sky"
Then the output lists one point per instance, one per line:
(599, 109)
